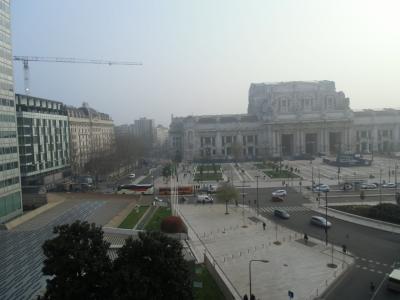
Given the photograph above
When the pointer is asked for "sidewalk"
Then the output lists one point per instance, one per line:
(293, 265)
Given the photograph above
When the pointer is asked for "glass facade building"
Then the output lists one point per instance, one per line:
(10, 188)
(43, 137)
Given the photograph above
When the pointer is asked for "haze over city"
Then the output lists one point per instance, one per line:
(199, 150)
(199, 57)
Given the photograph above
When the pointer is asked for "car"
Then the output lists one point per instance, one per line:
(347, 187)
(321, 187)
(389, 185)
(368, 186)
(131, 176)
(279, 193)
(320, 221)
(204, 199)
(283, 214)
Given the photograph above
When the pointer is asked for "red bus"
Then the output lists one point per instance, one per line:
(136, 189)
(182, 190)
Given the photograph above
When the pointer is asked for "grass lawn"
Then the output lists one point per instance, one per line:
(210, 290)
(209, 167)
(262, 166)
(155, 221)
(208, 177)
(281, 174)
(133, 217)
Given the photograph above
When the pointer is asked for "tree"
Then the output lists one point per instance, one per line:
(226, 193)
(151, 267)
(77, 262)
(167, 171)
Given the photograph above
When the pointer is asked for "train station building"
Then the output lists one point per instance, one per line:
(289, 120)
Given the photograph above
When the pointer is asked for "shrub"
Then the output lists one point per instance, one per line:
(173, 224)
(386, 212)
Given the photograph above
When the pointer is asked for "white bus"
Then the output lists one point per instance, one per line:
(393, 282)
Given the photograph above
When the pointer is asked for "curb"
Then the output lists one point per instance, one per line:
(31, 214)
(334, 283)
(376, 224)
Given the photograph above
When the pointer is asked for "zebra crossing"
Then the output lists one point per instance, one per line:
(270, 209)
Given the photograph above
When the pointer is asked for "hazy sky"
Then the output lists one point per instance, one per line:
(199, 57)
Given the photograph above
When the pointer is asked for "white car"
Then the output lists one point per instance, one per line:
(279, 193)
(320, 221)
(131, 176)
(204, 199)
(322, 187)
(389, 185)
(368, 186)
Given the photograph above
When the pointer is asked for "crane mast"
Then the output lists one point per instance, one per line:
(26, 59)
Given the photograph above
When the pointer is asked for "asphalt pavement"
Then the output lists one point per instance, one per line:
(375, 251)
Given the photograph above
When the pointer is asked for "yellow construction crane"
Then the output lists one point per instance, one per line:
(26, 59)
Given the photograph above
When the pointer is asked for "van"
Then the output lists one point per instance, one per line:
(393, 282)
(204, 199)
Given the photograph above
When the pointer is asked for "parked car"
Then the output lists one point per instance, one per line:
(131, 176)
(204, 199)
(322, 187)
(389, 185)
(368, 186)
(280, 213)
(320, 221)
(279, 193)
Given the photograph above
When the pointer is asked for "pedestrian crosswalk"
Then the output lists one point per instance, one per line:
(270, 209)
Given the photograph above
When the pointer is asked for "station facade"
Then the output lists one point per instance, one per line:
(287, 119)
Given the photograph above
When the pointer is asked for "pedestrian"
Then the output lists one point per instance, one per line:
(305, 238)
(252, 297)
(264, 225)
(245, 297)
(372, 287)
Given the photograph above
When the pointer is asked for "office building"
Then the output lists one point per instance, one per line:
(43, 138)
(10, 188)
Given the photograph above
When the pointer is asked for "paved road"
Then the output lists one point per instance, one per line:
(375, 251)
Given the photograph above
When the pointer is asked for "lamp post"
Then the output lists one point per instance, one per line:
(258, 206)
(243, 196)
(380, 186)
(259, 260)
(395, 183)
(326, 218)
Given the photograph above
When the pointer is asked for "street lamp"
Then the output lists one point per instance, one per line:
(259, 260)
(243, 196)
(258, 206)
(380, 186)
(395, 183)
(326, 218)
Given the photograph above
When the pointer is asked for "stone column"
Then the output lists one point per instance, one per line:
(218, 144)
